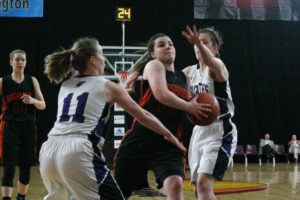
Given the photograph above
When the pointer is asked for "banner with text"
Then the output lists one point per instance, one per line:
(21, 8)
(285, 10)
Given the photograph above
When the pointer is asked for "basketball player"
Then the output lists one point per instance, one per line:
(211, 147)
(71, 164)
(164, 93)
(21, 95)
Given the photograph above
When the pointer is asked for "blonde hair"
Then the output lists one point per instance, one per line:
(59, 64)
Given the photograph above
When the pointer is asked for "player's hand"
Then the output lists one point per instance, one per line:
(200, 110)
(192, 36)
(27, 99)
(129, 80)
(171, 138)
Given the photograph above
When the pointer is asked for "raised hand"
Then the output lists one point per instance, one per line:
(192, 36)
(129, 80)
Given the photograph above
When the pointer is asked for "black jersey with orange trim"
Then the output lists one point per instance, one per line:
(13, 109)
(170, 117)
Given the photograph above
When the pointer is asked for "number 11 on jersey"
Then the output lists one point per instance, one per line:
(81, 103)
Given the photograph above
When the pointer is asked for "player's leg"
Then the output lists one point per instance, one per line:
(131, 174)
(7, 180)
(10, 149)
(84, 171)
(109, 189)
(204, 187)
(131, 165)
(218, 148)
(49, 171)
(168, 168)
(23, 182)
(173, 187)
(27, 156)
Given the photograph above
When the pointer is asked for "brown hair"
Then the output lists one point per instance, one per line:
(215, 37)
(139, 66)
(14, 52)
(59, 64)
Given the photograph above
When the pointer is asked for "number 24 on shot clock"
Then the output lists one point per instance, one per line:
(123, 14)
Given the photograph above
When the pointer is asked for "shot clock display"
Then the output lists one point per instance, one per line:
(123, 14)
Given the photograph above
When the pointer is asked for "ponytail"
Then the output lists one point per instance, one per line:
(58, 66)
(139, 67)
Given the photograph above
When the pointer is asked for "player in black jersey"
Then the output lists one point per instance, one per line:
(164, 93)
(21, 95)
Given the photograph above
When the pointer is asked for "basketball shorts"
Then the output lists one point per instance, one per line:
(72, 169)
(131, 173)
(211, 149)
(19, 143)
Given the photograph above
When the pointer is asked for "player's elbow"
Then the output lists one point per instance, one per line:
(42, 106)
(161, 96)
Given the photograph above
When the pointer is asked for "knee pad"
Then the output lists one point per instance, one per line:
(8, 175)
(24, 175)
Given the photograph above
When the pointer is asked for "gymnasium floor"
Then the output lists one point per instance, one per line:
(240, 183)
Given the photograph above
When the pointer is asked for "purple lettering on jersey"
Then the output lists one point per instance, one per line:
(80, 84)
(65, 111)
(199, 88)
(78, 117)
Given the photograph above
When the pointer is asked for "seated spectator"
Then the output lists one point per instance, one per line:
(267, 147)
(294, 147)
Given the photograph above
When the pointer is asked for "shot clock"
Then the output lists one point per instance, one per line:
(123, 14)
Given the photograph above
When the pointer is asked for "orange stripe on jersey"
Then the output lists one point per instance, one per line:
(184, 160)
(145, 98)
(179, 91)
(143, 101)
(4, 107)
(179, 131)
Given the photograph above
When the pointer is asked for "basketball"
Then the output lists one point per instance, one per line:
(215, 109)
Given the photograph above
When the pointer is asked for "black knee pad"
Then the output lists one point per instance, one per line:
(8, 175)
(24, 175)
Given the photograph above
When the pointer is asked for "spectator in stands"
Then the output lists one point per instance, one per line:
(294, 147)
(267, 147)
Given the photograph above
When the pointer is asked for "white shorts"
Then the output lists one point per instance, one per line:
(71, 169)
(211, 149)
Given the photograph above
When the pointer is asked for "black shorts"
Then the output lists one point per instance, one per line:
(109, 189)
(131, 173)
(19, 143)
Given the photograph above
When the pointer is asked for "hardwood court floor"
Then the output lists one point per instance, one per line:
(282, 182)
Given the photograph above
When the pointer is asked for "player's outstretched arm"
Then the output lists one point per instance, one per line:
(215, 64)
(115, 93)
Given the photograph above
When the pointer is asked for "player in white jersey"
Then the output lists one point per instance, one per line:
(71, 164)
(211, 147)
